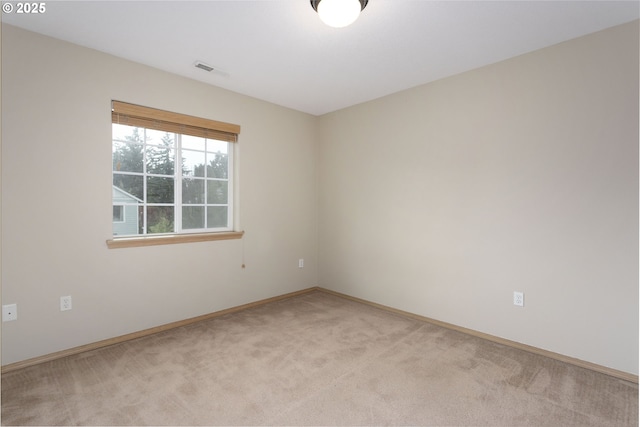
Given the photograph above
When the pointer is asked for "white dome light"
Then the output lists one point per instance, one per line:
(338, 13)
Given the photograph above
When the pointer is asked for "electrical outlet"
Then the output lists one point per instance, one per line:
(301, 263)
(9, 312)
(518, 299)
(65, 303)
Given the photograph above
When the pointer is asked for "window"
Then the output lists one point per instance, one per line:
(172, 173)
(118, 213)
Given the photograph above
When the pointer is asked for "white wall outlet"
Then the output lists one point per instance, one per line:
(65, 303)
(518, 299)
(9, 312)
(301, 263)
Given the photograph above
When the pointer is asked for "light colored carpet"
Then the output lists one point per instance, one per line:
(314, 359)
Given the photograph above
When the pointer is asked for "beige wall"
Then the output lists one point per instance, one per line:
(520, 176)
(56, 201)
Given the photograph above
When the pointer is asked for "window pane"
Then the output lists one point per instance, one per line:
(127, 133)
(160, 219)
(217, 192)
(160, 160)
(128, 188)
(193, 191)
(126, 221)
(192, 217)
(218, 166)
(127, 157)
(159, 190)
(158, 137)
(193, 163)
(214, 146)
(193, 142)
(216, 216)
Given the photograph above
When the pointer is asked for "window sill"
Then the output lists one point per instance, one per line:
(132, 242)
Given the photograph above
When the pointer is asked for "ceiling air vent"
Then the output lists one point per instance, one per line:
(204, 66)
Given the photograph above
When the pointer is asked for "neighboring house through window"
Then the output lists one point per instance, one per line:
(172, 173)
(125, 213)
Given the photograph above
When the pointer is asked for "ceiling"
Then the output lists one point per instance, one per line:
(279, 51)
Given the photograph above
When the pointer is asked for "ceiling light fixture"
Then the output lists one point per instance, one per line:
(338, 13)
